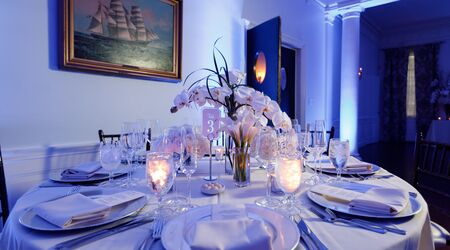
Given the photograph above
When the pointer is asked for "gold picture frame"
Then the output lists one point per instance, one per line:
(140, 38)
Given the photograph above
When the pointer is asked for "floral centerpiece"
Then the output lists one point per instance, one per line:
(246, 109)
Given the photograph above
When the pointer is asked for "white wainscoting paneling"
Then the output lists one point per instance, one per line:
(27, 167)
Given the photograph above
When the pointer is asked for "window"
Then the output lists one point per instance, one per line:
(411, 88)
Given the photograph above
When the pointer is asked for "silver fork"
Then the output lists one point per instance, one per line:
(156, 231)
(369, 223)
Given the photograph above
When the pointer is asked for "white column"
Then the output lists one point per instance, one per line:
(329, 69)
(349, 78)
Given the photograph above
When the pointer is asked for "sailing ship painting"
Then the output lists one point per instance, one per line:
(138, 34)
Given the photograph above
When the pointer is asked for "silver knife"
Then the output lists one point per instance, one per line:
(100, 234)
(304, 228)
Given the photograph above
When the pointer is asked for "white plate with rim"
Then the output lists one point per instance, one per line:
(373, 170)
(285, 234)
(413, 207)
(31, 220)
(100, 175)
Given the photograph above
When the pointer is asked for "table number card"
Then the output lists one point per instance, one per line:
(211, 123)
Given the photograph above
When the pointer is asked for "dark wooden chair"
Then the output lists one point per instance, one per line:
(116, 137)
(432, 179)
(3, 191)
(103, 137)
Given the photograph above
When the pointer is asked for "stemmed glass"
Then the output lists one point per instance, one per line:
(189, 156)
(110, 157)
(320, 142)
(172, 144)
(339, 154)
(288, 172)
(315, 143)
(160, 173)
(266, 153)
(127, 141)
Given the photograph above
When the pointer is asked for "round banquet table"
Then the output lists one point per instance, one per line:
(334, 236)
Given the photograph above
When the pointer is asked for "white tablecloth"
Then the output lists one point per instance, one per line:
(16, 236)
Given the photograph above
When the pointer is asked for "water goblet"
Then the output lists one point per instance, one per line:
(266, 153)
(189, 156)
(110, 157)
(339, 154)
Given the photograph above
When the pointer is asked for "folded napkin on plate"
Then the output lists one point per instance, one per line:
(71, 210)
(353, 165)
(363, 197)
(82, 171)
(230, 229)
(75, 209)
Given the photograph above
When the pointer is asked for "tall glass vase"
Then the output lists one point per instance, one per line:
(241, 166)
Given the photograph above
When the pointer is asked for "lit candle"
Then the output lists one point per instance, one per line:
(158, 172)
(289, 174)
(219, 151)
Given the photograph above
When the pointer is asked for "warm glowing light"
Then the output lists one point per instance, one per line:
(360, 71)
(289, 174)
(260, 67)
(411, 87)
(158, 171)
(439, 118)
(219, 151)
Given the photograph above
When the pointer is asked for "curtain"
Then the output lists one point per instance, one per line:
(426, 58)
(393, 93)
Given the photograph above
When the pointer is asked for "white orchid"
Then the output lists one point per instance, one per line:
(181, 100)
(282, 121)
(198, 95)
(218, 95)
(244, 95)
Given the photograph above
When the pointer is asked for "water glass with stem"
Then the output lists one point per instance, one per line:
(189, 156)
(172, 144)
(339, 154)
(266, 154)
(127, 141)
(110, 157)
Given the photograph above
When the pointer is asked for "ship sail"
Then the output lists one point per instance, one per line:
(116, 22)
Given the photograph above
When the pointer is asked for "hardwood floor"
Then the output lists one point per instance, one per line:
(398, 158)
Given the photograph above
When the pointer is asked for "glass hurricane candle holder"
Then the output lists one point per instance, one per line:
(160, 173)
(219, 153)
(288, 173)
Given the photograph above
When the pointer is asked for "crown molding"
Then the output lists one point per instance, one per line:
(352, 6)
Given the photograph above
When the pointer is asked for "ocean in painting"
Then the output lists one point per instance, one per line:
(155, 55)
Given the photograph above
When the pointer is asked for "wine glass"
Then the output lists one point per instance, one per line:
(110, 157)
(266, 153)
(172, 144)
(160, 175)
(288, 173)
(189, 156)
(320, 143)
(339, 154)
(127, 141)
(309, 146)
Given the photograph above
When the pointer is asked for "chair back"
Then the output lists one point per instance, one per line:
(3, 191)
(104, 137)
(432, 169)
(330, 134)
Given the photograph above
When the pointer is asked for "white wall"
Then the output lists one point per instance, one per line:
(43, 107)
(304, 22)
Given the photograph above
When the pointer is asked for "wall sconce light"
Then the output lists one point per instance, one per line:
(360, 71)
(260, 67)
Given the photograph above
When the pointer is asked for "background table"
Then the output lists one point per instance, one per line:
(418, 236)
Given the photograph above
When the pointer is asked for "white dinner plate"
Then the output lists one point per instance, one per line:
(100, 176)
(31, 220)
(373, 170)
(285, 234)
(413, 207)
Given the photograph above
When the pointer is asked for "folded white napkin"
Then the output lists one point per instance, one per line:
(75, 209)
(353, 165)
(82, 171)
(230, 229)
(71, 210)
(363, 197)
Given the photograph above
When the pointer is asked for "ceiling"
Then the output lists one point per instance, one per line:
(408, 13)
